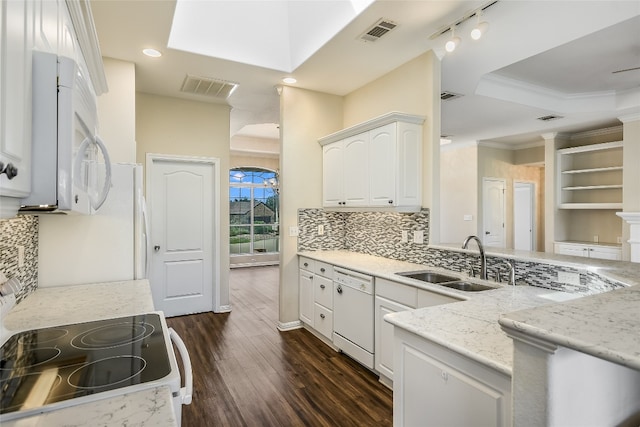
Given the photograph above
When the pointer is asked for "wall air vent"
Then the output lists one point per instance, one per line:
(377, 30)
(207, 86)
(550, 117)
(447, 96)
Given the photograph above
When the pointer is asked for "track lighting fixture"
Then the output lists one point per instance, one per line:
(453, 42)
(480, 28)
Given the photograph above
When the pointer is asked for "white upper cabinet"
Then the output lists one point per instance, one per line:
(374, 165)
(16, 39)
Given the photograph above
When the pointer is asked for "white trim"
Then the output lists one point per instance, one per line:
(385, 119)
(503, 242)
(629, 118)
(217, 250)
(289, 326)
(598, 132)
(85, 29)
(255, 153)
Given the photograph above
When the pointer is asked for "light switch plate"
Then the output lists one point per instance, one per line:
(293, 231)
(405, 236)
(467, 217)
(418, 237)
(320, 229)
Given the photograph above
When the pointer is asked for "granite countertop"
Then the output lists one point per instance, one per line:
(604, 325)
(82, 303)
(471, 327)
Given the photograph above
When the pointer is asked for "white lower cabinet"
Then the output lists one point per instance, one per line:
(436, 386)
(316, 295)
(393, 297)
(585, 250)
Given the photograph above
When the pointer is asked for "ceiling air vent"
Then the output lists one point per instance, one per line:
(446, 96)
(550, 117)
(207, 86)
(377, 30)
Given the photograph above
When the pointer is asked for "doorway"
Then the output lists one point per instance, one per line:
(524, 216)
(184, 216)
(493, 212)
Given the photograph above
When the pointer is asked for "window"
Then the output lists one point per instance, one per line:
(253, 211)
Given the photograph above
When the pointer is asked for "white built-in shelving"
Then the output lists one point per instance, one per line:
(590, 176)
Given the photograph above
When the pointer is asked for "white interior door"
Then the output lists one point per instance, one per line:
(493, 211)
(523, 216)
(181, 194)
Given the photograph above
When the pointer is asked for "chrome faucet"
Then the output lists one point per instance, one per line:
(483, 258)
(512, 272)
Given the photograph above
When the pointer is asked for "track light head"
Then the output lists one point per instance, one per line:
(479, 30)
(453, 42)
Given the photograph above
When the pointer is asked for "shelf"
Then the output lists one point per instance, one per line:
(594, 206)
(593, 187)
(608, 169)
(591, 147)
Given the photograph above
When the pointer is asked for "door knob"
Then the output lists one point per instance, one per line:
(487, 232)
(156, 248)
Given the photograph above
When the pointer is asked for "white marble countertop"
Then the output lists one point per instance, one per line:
(82, 303)
(604, 325)
(471, 327)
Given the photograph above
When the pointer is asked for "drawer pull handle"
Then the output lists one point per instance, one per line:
(339, 289)
(322, 270)
(322, 286)
(306, 264)
(322, 316)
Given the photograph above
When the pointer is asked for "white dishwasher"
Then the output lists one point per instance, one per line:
(353, 319)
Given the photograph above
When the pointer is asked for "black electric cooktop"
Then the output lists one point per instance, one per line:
(49, 365)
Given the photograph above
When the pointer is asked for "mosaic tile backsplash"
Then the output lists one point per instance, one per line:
(379, 233)
(20, 231)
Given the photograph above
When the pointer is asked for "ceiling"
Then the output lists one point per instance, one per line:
(538, 58)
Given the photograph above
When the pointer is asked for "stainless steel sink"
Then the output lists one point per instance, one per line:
(429, 276)
(466, 286)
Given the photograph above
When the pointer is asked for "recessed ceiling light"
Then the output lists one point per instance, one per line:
(152, 53)
(289, 80)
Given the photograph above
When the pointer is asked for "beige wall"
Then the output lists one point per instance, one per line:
(412, 88)
(271, 163)
(499, 163)
(180, 127)
(305, 116)
(631, 176)
(117, 111)
(529, 156)
(458, 179)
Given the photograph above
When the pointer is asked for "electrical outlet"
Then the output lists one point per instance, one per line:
(569, 278)
(320, 230)
(467, 217)
(405, 236)
(418, 237)
(293, 231)
(20, 255)
(619, 239)
(596, 238)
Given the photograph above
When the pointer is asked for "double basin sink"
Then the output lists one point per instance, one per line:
(446, 281)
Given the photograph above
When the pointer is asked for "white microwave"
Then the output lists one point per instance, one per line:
(70, 165)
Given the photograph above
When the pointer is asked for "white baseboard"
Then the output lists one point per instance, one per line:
(289, 326)
(223, 309)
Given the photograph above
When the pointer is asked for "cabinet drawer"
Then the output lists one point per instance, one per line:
(404, 294)
(323, 320)
(306, 263)
(323, 269)
(428, 299)
(323, 291)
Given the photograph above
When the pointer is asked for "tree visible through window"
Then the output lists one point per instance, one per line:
(253, 211)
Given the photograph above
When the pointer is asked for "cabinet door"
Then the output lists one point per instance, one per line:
(569, 249)
(445, 396)
(332, 175)
(45, 22)
(16, 20)
(614, 254)
(382, 166)
(409, 165)
(356, 170)
(305, 284)
(384, 335)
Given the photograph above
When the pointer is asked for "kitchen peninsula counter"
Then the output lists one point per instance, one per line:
(56, 306)
(471, 327)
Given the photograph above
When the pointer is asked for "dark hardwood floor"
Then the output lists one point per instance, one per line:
(247, 373)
